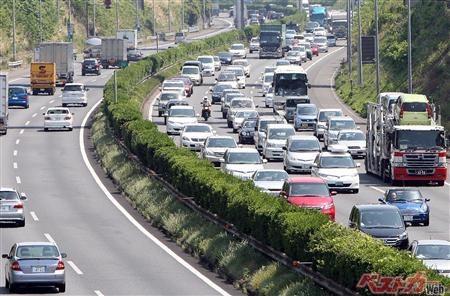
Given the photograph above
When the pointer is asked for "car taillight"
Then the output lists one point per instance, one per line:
(60, 265)
(429, 111)
(47, 118)
(67, 118)
(15, 266)
(19, 206)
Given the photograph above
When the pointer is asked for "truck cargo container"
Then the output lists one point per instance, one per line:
(130, 35)
(114, 53)
(272, 41)
(3, 103)
(60, 53)
(43, 78)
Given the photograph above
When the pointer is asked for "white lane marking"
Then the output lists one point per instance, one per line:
(49, 237)
(98, 293)
(34, 115)
(27, 123)
(17, 141)
(43, 107)
(34, 216)
(15, 165)
(51, 101)
(322, 57)
(75, 268)
(21, 131)
(131, 219)
(377, 189)
(18, 181)
(15, 152)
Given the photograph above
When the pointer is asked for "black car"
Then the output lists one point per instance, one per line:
(134, 55)
(247, 131)
(225, 58)
(90, 66)
(380, 221)
(217, 92)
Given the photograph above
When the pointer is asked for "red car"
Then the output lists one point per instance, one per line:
(315, 49)
(188, 84)
(310, 192)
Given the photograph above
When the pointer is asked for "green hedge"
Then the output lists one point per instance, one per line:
(305, 235)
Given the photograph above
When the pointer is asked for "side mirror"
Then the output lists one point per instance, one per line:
(23, 196)
(5, 256)
(314, 165)
(160, 88)
(264, 160)
(221, 160)
(283, 194)
(284, 148)
(406, 225)
(382, 200)
(333, 193)
(256, 106)
(63, 255)
(43, 113)
(216, 79)
(427, 199)
(309, 85)
(86, 89)
(210, 89)
(351, 224)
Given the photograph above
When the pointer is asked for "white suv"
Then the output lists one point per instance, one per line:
(208, 65)
(74, 94)
(301, 151)
(275, 140)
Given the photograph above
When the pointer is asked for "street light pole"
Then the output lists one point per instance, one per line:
(14, 30)
(182, 15)
(154, 26)
(117, 16)
(410, 82)
(360, 66)
(87, 18)
(377, 49)
(40, 20)
(170, 20)
(349, 39)
(93, 18)
(204, 14)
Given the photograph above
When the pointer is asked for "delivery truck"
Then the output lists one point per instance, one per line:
(130, 35)
(272, 41)
(114, 53)
(3, 103)
(43, 78)
(60, 53)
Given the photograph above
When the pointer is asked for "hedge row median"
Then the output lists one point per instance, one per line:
(341, 253)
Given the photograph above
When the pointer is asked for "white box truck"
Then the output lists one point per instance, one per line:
(60, 53)
(130, 35)
(3, 103)
(114, 53)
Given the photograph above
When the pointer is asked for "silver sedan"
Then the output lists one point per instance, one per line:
(35, 264)
(11, 206)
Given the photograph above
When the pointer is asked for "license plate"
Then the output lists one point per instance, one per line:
(4, 208)
(407, 218)
(421, 172)
(339, 184)
(304, 125)
(15, 98)
(38, 268)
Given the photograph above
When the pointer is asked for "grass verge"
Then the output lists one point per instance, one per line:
(235, 260)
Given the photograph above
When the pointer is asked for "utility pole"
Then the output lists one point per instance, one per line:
(360, 66)
(154, 26)
(138, 24)
(182, 15)
(204, 14)
(117, 16)
(93, 18)
(40, 20)
(14, 30)
(170, 20)
(57, 9)
(349, 38)
(377, 49)
(410, 82)
(87, 18)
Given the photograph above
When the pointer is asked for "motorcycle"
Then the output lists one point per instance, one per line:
(206, 113)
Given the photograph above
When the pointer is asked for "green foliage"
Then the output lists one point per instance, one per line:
(300, 233)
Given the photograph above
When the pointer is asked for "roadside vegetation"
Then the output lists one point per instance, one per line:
(430, 52)
(300, 233)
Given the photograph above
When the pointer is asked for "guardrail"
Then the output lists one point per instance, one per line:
(15, 64)
(193, 29)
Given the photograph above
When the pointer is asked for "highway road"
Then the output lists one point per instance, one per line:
(111, 249)
(321, 71)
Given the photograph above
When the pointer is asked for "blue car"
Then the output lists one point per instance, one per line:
(18, 97)
(411, 203)
(305, 117)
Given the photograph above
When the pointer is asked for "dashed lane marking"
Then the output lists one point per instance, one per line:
(18, 181)
(15, 165)
(21, 131)
(17, 141)
(15, 152)
(27, 123)
(75, 268)
(49, 237)
(34, 216)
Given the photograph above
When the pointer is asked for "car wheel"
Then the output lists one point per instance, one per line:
(27, 106)
(70, 129)
(440, 183)
(62, 288)
(84, 104)
(355, 190)
(98, 73)
(64, 104)
(21, 223)
(83, 74)
(6, 283)
(267, 106)
(230, 124)
(234, 130)
(427, 222)
(45, 129)
(224, 116)
(12, 288)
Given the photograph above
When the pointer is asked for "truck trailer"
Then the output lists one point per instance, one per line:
(401, 153)
(60, 53)
(130, 35)
(114, 53)
(43, 78)
(3, 103)
(272, 41)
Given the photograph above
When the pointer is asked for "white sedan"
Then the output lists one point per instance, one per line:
(58, 118)
(193, 136)
(245, 64)
(238, 51)
(270, 181)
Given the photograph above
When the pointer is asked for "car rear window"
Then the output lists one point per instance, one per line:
(8, 195)
(17, 91)
(37, 252)
(415, 107)
(58, 111)
(73, 88)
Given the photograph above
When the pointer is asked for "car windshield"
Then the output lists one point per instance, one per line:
(308, 35)
(292, 103)
(263, 124)
(404, 195)
(330, 37)
(8, 195)
(181, 113)
(24, 252)
(282, 62)
(417, 139)
(221, 143)
(271, 176)
(308, 189)
(268, 78)
(415, 107)
(226, 77)
(342, 124)
(58, 111)
(433, 252)
(320, 39)
(237, 71)
(221, 87)
(237, 46)
(89, 62)
(225, 55)
(197, 129)
(306, 110)
(291, 32)
(255, 40)
(231, 96)
(14, 91)
(269, 70)
(216, 59)
(280, 133)
(206, 60)
(179, 84)
(249, 124)
(352, 136)
(304, 145)
(291, 84)
(168, 96)
(73, 88)
(242, 63)
(244, 158)
(241, 104)
(133, 51)
(179, 34)
(307, 45)
(293, 53)
(246, 114)
(323, 115)
(190, 70)
(381, 219)
(337, 162)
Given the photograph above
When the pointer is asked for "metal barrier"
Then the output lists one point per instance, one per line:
(15, 64)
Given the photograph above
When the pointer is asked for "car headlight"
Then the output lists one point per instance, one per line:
(404, 235)
(186, 138)
(424, 207)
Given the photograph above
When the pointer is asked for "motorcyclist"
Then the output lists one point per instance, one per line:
(206, 108)
(206, 103)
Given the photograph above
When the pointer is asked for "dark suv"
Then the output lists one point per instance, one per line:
(90, 66)
(380, 221)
